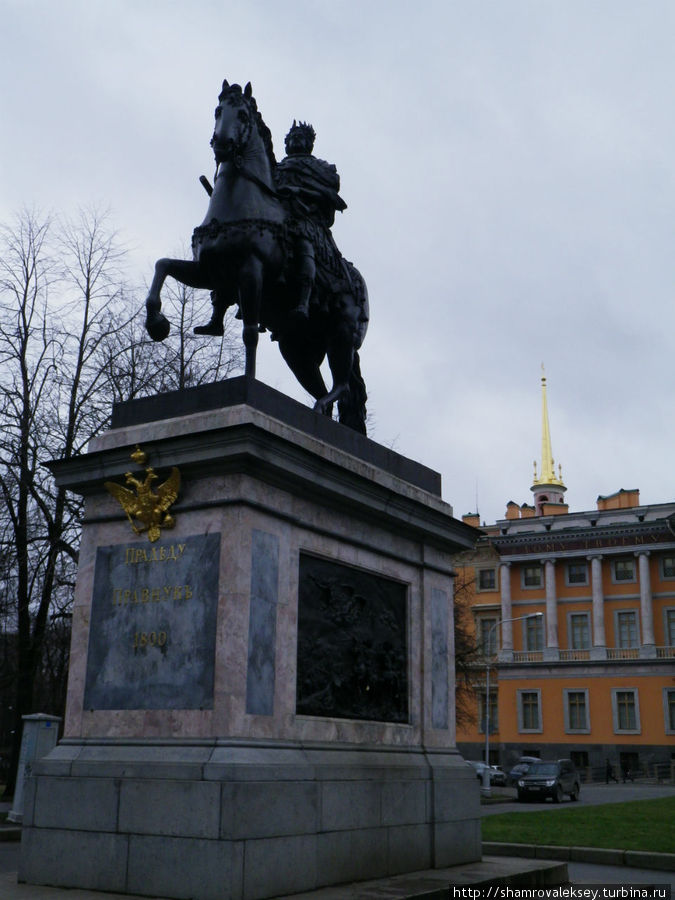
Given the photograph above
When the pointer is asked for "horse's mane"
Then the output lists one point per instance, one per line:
(233, 93)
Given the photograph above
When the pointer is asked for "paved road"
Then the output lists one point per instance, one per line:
(588, 873)
(9, 856)
(591, 795)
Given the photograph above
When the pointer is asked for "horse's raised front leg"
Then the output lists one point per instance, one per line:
(188, 273)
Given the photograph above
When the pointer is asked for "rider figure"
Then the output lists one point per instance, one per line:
(310, 187)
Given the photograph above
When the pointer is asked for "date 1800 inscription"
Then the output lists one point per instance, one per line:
(153, 622)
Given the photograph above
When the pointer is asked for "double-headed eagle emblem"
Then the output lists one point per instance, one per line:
(146, 506)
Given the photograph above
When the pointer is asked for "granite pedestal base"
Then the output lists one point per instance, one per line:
(243, 820)
(261, 701)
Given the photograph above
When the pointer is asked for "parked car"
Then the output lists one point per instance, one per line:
(521, 768)
(550, 779)
(478, 768)
(497, 777)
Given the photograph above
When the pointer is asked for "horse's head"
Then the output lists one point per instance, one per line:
(234, 122)
(237, 121)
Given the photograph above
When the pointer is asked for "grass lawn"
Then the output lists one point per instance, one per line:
(640, 825)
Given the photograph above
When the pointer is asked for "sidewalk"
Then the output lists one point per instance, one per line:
(637, 859)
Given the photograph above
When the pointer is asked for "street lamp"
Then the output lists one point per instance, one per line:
(486, 791)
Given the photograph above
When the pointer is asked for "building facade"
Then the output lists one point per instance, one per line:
(592, 677)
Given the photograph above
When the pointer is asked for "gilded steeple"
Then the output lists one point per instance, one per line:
(547, 473)
(547, 486)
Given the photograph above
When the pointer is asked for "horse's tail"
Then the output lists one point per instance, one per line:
(352, 405)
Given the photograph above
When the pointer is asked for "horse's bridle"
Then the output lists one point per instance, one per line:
(231, 150)
(234, 154)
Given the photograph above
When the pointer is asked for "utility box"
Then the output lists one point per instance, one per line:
(40, 733)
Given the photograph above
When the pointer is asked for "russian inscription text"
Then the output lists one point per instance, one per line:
(153, 623)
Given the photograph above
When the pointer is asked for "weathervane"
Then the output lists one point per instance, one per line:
(146, 506)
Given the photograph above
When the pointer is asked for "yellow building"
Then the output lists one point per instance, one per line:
(592, 677)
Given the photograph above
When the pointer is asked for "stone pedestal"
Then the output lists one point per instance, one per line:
(261, 701)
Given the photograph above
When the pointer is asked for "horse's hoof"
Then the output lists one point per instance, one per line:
(157, 326)
(212, 328)
(325, 409)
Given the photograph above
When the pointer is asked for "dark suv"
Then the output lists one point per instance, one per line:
(521, 768)
(550, 779)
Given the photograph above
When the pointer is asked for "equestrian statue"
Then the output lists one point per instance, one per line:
(266, 246)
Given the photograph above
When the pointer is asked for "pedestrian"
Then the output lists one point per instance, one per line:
(609, 773)
(627, 774)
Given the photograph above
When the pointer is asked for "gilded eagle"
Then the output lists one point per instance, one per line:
(147, 507)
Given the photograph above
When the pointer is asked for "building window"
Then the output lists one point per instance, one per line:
(579, 631)
(669, 709)
(623, 570)
(668, 566)
(625, 711)
(629, 763)
(494, 718)
(487, 579)
(669, 628)
(487, 635)
(533, 633)
(532, 576)
(531, 751)
(529, 711)
(577, 573)
(579, 758)
(626, 629)
(576, 710)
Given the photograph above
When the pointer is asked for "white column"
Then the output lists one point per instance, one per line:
(647, 647)
(506, 652)
(599, 640)
(551, 611)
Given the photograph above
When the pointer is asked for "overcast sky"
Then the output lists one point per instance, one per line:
(509, 169)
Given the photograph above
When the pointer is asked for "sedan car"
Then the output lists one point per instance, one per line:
(497, 777)
(550, 779)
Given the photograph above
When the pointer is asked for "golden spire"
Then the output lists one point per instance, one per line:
(547, 473)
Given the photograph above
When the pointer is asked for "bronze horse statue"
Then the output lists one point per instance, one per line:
(243, 253)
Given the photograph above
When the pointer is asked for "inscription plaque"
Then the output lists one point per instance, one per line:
(352, 643)
(152, 634)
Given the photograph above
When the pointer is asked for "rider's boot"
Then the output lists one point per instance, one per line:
(214, 326)
(305, 275)
(301, 311)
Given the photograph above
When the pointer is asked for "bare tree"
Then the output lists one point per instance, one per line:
(468, 654)
(26, 363)
(137, 366)
(69, 347)
(54, 299)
